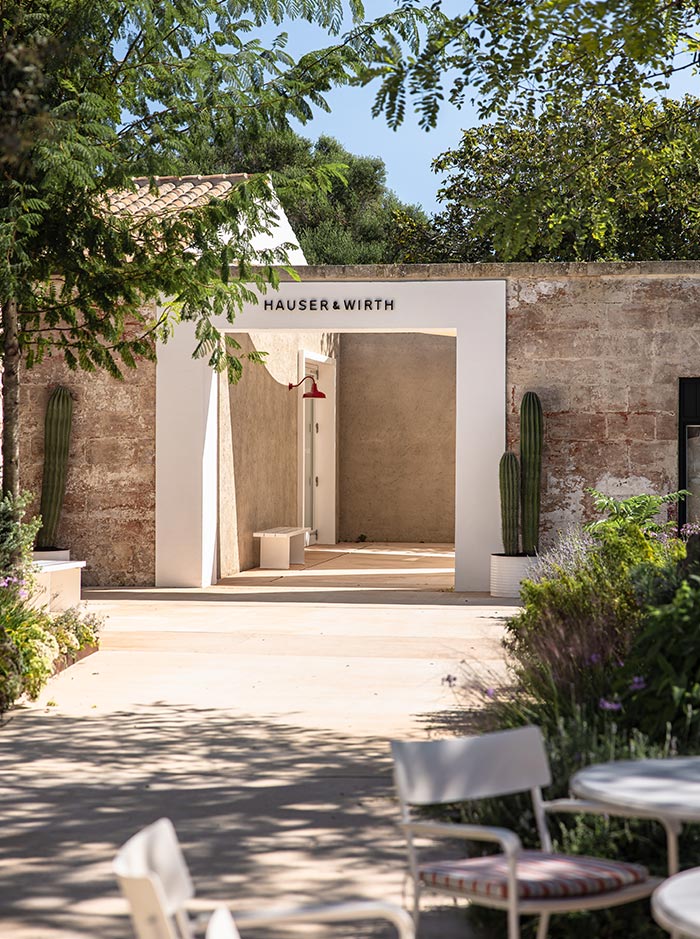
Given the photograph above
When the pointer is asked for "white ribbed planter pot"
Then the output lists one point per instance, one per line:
(507, 572)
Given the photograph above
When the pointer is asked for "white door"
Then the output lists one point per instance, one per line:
(311, 480)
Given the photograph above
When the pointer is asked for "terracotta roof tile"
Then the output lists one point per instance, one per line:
(174, 193)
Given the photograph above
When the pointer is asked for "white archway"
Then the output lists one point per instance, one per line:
(186, 410)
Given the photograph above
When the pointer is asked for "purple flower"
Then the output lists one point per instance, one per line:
(23, 594)
(490, 692)
(638, 683)
(594, 659)
(606, 705)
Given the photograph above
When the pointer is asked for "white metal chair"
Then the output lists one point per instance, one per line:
(676, 904)
(521, 882)
(154, 878)
(222, 926)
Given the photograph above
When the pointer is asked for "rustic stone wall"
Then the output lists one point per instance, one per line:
(605, 354)
(603, 344)
(108, 517)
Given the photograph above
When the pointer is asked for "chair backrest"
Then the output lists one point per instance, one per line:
(464, 768)
(221, 925)
(154, 878)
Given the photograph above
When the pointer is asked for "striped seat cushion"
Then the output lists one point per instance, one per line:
(540, 875)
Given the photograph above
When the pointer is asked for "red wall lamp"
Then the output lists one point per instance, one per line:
(313, 392)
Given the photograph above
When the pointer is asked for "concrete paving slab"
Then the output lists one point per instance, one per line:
(257, 720)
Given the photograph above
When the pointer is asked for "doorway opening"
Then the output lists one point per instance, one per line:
(188, 497)
(316, 456)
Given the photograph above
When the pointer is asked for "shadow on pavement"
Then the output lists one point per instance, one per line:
(267, 812)
(359, 595)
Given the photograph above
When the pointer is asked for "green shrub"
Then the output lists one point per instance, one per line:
(642, 511)
(576, 742)
(605, 658)
(29, 631)
(580, 615)
(31, 640)
(10, 671)
(660, 685)
(16, 542)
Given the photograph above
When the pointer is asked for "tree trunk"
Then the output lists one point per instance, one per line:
(10, 399)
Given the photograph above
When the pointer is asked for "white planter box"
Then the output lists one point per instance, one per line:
(507, 572)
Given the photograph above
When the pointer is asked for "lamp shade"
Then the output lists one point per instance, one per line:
(313, 391)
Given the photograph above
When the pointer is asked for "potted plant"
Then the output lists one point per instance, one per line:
(519, 484)
(57, 430)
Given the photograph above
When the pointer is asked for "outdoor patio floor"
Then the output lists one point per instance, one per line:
(369, 565)
(256, 715)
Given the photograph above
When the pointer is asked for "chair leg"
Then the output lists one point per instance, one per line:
(543, 926)
(513, 923)
(416, 904)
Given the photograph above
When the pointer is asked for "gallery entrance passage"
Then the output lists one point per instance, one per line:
(359, 567)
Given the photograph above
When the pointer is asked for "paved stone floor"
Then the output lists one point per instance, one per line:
(256, 715)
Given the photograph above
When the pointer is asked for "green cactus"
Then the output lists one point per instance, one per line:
(509, 484)
(57, 428)
(531, 435)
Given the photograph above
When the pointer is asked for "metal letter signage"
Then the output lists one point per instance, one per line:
(320, 304)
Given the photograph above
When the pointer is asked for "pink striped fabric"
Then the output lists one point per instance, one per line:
(540, 875)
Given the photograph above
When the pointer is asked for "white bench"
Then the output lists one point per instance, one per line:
(57, 584)
(280, 547)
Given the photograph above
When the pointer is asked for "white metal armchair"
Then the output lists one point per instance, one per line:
(521, 882)
(154, 878)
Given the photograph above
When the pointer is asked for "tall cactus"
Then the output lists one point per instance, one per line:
(531, 434)
(509, 484)
(57, 428)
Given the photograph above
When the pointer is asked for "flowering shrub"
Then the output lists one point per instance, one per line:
(580, 614)
(31, 640)
(73, 630)
(29, 631)
(605, 658)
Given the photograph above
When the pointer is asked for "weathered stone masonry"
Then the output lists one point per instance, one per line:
(108, 514)
(603, 344)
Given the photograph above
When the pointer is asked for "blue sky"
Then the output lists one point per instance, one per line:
(408, 151)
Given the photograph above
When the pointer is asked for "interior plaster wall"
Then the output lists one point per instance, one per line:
(396, 437)
(263, 422)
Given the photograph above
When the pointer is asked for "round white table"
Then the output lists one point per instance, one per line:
(675, 904)
(668, 790)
